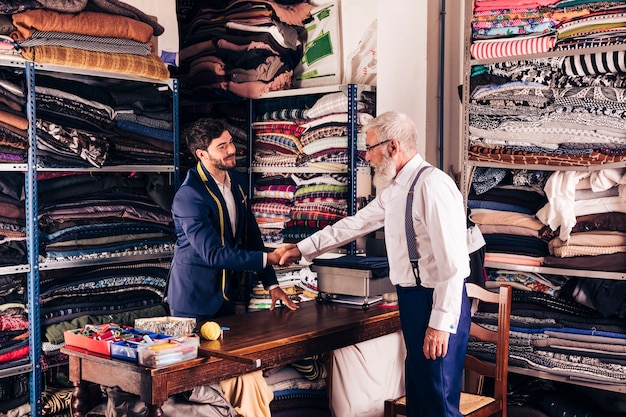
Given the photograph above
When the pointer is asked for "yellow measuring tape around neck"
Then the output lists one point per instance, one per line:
(220, 211)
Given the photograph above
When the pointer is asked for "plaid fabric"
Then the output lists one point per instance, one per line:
(338, 207)
(275, 191)
(331, 157)
(277, 142)
(264, 218)
(327, 143)
(272, 126)
(268, 207)
(322, 132)
(274, 160)
(314, 215)
(327, 188)
(314, 224)
(319, 197)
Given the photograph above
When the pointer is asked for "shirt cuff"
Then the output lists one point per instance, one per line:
(271, 287)
(264, 260)
(444, 322)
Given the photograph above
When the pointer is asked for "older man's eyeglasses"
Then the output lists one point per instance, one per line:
(369, 148)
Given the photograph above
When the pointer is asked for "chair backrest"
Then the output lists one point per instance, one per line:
(498, 370)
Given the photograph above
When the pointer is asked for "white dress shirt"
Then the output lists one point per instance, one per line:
(231, 208)
(440, 226)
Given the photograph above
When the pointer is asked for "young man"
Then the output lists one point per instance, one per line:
(218, 239)
(434, 308)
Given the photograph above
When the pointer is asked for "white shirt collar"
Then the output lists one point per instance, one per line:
(407, 172)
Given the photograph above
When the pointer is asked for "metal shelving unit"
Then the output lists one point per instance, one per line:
(30, 170)
(470, 166)
(353, 92)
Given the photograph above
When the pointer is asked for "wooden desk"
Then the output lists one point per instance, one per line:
(256, 340)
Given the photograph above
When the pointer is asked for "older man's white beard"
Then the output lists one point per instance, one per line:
(384, 174)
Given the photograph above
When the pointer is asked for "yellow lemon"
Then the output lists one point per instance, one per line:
(211, 330)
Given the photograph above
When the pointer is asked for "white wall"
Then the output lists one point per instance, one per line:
(408, 67)
(402, 60)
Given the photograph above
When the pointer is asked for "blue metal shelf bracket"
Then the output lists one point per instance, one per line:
(34, 330)
(352, 152)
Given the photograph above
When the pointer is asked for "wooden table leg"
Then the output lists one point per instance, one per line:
(81, 403)
(154, 410)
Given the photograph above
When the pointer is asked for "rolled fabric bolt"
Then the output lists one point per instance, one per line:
(211, 330)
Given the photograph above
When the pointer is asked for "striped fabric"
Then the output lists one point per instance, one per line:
(87, 42)
(511, 47)
(150, 66)
(612, 62)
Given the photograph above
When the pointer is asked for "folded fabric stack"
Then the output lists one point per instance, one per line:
(566, 219)
(243, 49)
(106, 35)
(13, 119)
(551, 332)
(299, 389)
(12, 220)
(86, 123)
(306, 133)
(502, 28)
(84, 216)
(297, 281)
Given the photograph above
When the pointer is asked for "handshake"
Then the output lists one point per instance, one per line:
(284, 255)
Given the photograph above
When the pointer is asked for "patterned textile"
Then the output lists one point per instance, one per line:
(277, 142)
(272, 126)
(528, 280)
(87, 42)
(273, 191)
(315, 178)
(321, 189)
(312, 135)
(107, 285)
(149, 66)
(56, 400)
(326, 144)
(313, 215)
(595, 63)
(312, 224)
(496, 23)
(329, 104)
(483, 49)
(509, 156)
(90, 146)
(275, 160)
(269, 207)
(85, 23)
(11, 323)
(591, 24)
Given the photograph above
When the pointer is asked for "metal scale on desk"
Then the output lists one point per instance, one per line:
(353, 279)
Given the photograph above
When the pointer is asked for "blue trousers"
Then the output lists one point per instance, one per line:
(433, 387)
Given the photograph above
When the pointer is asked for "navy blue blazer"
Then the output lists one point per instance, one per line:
(203, 251)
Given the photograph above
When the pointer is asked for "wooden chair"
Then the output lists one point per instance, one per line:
(478, 404)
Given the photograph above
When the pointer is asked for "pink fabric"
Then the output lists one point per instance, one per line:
(502, 48)
(10, 323)
(481, 5)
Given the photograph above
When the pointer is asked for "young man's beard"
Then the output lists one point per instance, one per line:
(384, 173)
(218, 163)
